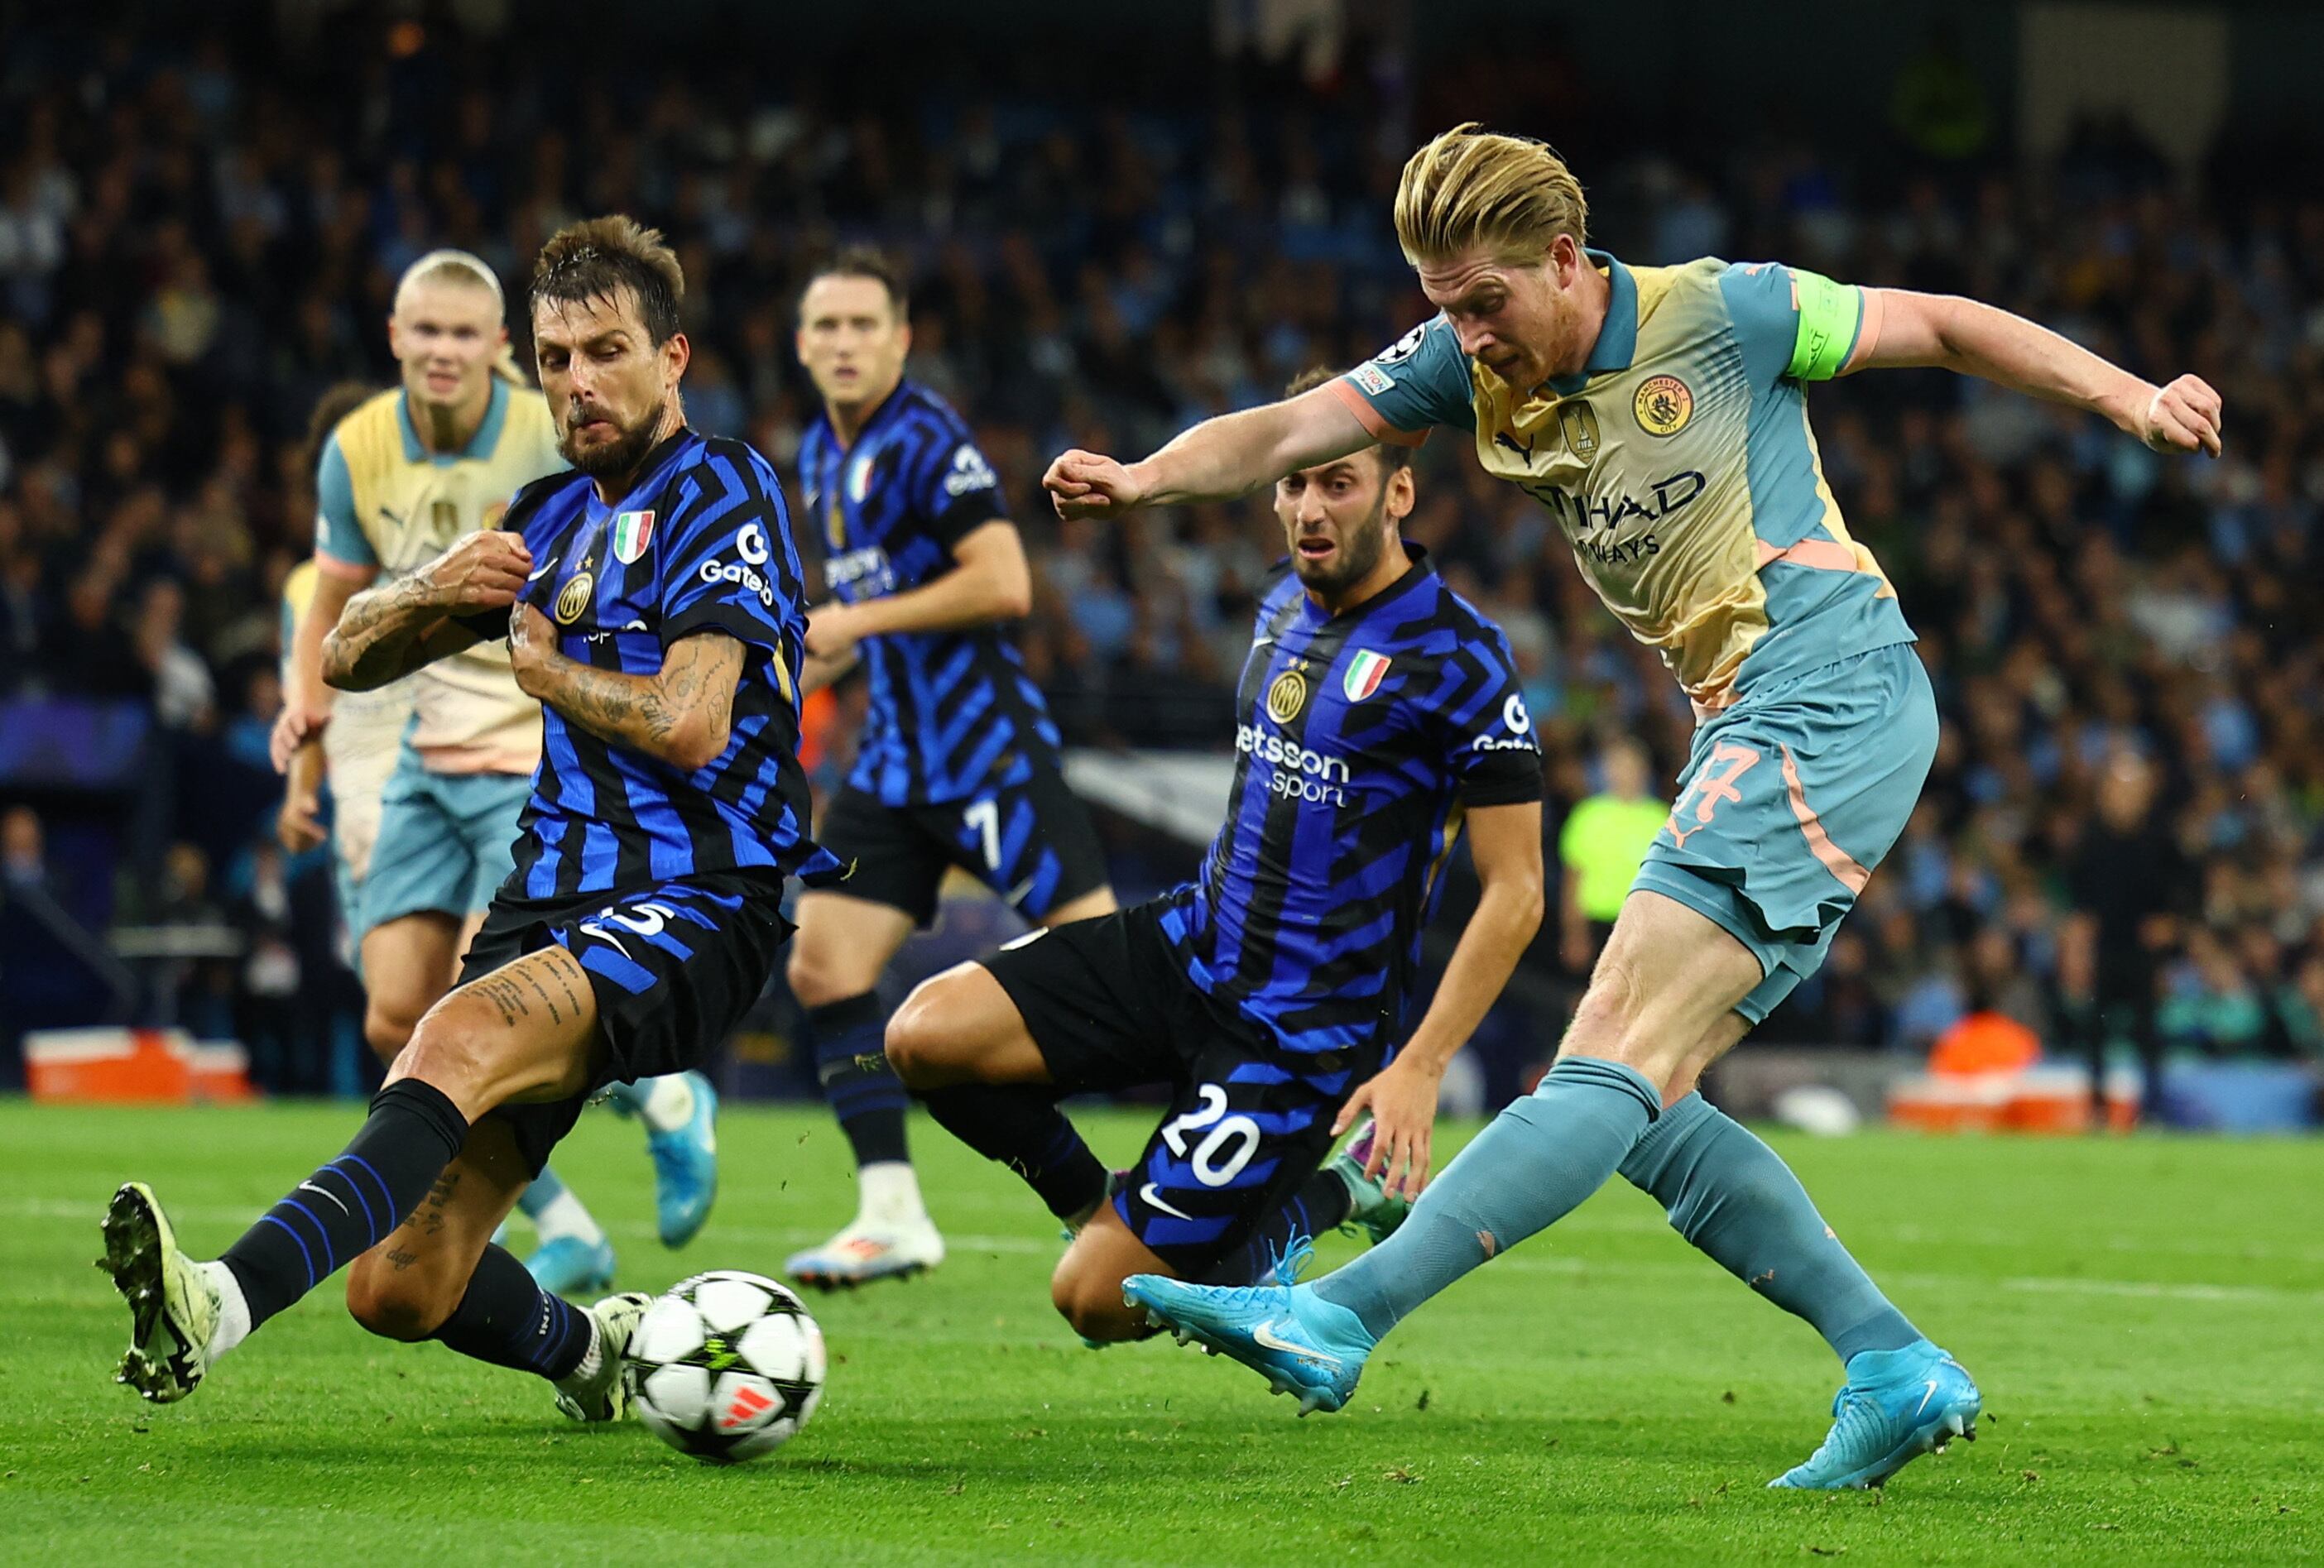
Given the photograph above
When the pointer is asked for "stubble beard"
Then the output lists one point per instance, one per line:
(615, 457)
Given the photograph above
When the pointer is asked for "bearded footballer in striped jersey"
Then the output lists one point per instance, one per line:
(398, 478)
(1379, 718)
(651, 601)
(1659, 414)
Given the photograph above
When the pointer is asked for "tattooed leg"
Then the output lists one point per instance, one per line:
(410, 1285)
(418, 1193)
(524, 1033)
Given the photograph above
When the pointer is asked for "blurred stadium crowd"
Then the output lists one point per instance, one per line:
(196, 242)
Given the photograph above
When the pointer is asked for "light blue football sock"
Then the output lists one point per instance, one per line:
(546, 1189)
(1736, 1199)
(555, 1211)
(628, 1097)
(1536, 1161)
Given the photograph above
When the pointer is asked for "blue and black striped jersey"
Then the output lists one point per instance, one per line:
(1361, 738)
(953, 715)
(701, 543)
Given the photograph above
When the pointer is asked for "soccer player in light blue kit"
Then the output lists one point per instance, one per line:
(1660, 415)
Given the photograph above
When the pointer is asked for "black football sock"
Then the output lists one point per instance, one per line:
(1020, 1125)
(346, 1207)
(1322, 1202)
(852, 1062)
(507, 1319)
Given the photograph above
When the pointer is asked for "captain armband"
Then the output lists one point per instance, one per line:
(1829, 317)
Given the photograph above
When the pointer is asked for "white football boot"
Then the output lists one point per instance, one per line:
(173, 1306)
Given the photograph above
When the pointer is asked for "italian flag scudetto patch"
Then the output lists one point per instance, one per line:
(632, 532)
(1365, 671)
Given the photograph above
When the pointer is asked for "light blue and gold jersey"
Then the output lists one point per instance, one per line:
(1679, 464)
(387, 505)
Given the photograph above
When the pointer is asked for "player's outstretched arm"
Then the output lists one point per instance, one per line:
(682, 714)
(1505, 843)
(388, 631)
(1903, 328)
(1216, 460)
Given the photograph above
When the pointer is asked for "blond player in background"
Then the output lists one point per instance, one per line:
(428, 826)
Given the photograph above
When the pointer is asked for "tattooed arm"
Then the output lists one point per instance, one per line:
(390, 631)
(681, 715)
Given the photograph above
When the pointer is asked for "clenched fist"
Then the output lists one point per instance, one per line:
(484, 571)
(533, 646)
(2183, 417)
(1091, 484)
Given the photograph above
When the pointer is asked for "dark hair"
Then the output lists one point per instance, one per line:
(599, 257)
(343, 399)
(863, 261)
(1392, 456)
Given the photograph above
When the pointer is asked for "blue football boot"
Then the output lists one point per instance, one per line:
(1896, 1406)
(568, 1266)
(1302, 1344)
(685, 1168)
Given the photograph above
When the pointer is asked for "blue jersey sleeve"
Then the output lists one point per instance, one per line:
(728, 563)
(954, 489)
(1791, 322)
(1417, 384)
(339, 533)
(1496, 756)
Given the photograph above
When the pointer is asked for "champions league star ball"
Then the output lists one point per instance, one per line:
(726, 1367)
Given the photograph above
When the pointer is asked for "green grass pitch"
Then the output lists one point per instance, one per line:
(2144, 1317)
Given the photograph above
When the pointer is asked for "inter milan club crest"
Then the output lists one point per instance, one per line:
(632, 532)
(573, 598)
(1286, 696)
(1363, 675)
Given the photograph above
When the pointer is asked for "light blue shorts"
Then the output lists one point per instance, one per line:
(446, 841)
(1789, 799)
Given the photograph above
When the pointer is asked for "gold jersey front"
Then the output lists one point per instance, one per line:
(1678, 464)
(388, 506)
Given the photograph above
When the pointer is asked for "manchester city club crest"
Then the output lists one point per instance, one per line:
(574, 597)
(632, 532)
(1286, 696)
(1663, 405)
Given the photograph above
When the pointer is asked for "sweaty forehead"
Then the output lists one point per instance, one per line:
(570, 322)
(1448, 282)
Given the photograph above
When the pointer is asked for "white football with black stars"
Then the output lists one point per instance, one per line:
(725, 1366)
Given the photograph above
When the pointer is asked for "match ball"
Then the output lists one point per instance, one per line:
(725, 1366)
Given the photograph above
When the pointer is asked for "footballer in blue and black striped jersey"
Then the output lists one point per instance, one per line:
(1363, 740)
(1278, 980)
(1377, 714)
(665, 882)
(700, 542)
(652, 602)
(958, 760)
(957, 765)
